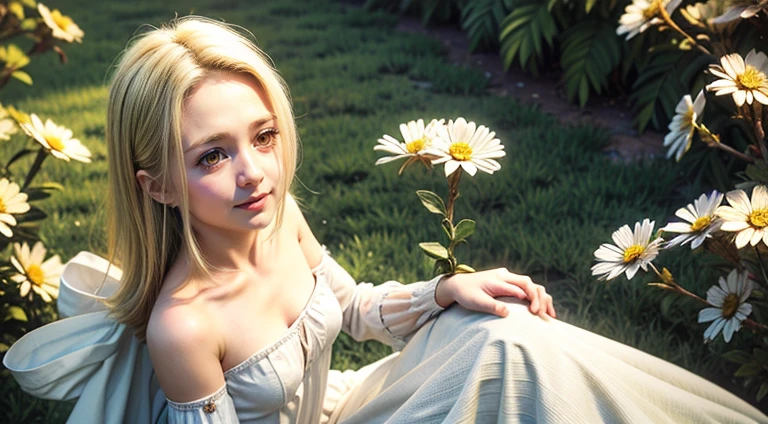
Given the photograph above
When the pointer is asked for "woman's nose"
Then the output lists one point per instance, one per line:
(248, 171)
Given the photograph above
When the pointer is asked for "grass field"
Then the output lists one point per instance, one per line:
(354, 78)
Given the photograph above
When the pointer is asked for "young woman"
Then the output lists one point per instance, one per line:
(239, 304)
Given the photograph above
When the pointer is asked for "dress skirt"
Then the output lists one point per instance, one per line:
(467, 367)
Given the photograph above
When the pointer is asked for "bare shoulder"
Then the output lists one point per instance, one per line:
(184, 349)
(313, 252)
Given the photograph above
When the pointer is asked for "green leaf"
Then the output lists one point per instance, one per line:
(20, 154)
(658, 88)
(590, 52)
(480, 20)
(448, 228)
(738, 356)
(522, 33)
(763, 391)
(42, 192)
(590, 4)
(464, 229)
(761, 355)
(466, 269)
(434, 249)
(22, 76)
(757, 172)
(15, 312)
(442, 266)
(13, 56)
(17, 9)
(432, 202)
(752, 368)
(29, 24)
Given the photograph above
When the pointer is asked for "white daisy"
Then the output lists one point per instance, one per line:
(701, 221)
(57, 139)
(682, 126)
(11, 202)
(743, 78)
(749, 218)
(7, 124)
(464, 144)
(743, 9)
(633, 250)
(418, 140)
(729, 309)
(642, 14)
(62, 26)
(41, 277)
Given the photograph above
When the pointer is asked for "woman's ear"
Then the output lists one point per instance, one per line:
(154, 188)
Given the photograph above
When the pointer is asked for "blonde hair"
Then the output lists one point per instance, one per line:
(153, 78)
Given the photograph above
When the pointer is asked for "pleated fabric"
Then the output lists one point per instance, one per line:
(466, 367)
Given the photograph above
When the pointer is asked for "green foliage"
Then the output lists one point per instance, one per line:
(481, 20)
(555, 198)
(590, 52)
(523, 33)
(659, 86)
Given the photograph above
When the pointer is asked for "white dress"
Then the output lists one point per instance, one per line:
(458, 367)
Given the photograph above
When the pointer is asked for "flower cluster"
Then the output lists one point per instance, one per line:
(744, 221)
(457, 144)
(462, 147)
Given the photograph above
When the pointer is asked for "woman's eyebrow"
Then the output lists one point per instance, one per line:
(218, 136)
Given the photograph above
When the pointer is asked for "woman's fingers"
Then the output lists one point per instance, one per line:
(541, 301)
(525, 283)
(486, 303)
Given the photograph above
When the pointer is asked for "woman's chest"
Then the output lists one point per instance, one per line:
(292, 366)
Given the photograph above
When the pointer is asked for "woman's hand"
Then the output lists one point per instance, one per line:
(477, 292)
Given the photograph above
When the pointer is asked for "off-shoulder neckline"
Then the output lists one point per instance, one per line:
(290, 332)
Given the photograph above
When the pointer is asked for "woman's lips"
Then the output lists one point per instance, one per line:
(254, 204)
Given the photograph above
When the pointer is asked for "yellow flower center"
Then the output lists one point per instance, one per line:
(730, 305)
(416, 145)
(652, 11)
(751, 79)
(460, 151)
(701, 223)
(3, 209)
(759, 218)
(35, 275)
(633, 252)
(62, 21)
(54, 141)
(687, 118)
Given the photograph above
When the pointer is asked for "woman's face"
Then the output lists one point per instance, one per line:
(231, 149)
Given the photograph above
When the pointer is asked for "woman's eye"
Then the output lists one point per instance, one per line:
(266, 137)
(211, 158)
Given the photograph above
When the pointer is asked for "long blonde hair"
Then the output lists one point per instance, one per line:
(152, 80)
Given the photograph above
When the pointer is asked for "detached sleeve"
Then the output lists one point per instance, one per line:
(215, 409)
(390, 312)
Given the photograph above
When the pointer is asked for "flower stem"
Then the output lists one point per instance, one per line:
(453, 193)
(668, 20)
(41, 155)
(762, 267)
(672, 285)
(733, 151)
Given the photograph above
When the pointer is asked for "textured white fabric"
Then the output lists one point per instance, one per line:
(465, 367)
(458, 367)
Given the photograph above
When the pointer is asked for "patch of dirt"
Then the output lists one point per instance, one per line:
(627, 144)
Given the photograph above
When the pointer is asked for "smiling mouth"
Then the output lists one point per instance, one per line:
(254, 203)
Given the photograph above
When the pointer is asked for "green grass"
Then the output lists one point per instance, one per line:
(353, 78)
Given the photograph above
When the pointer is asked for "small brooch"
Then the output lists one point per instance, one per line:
(209, 407)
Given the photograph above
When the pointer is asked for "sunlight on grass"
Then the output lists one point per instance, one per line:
(354, 78)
